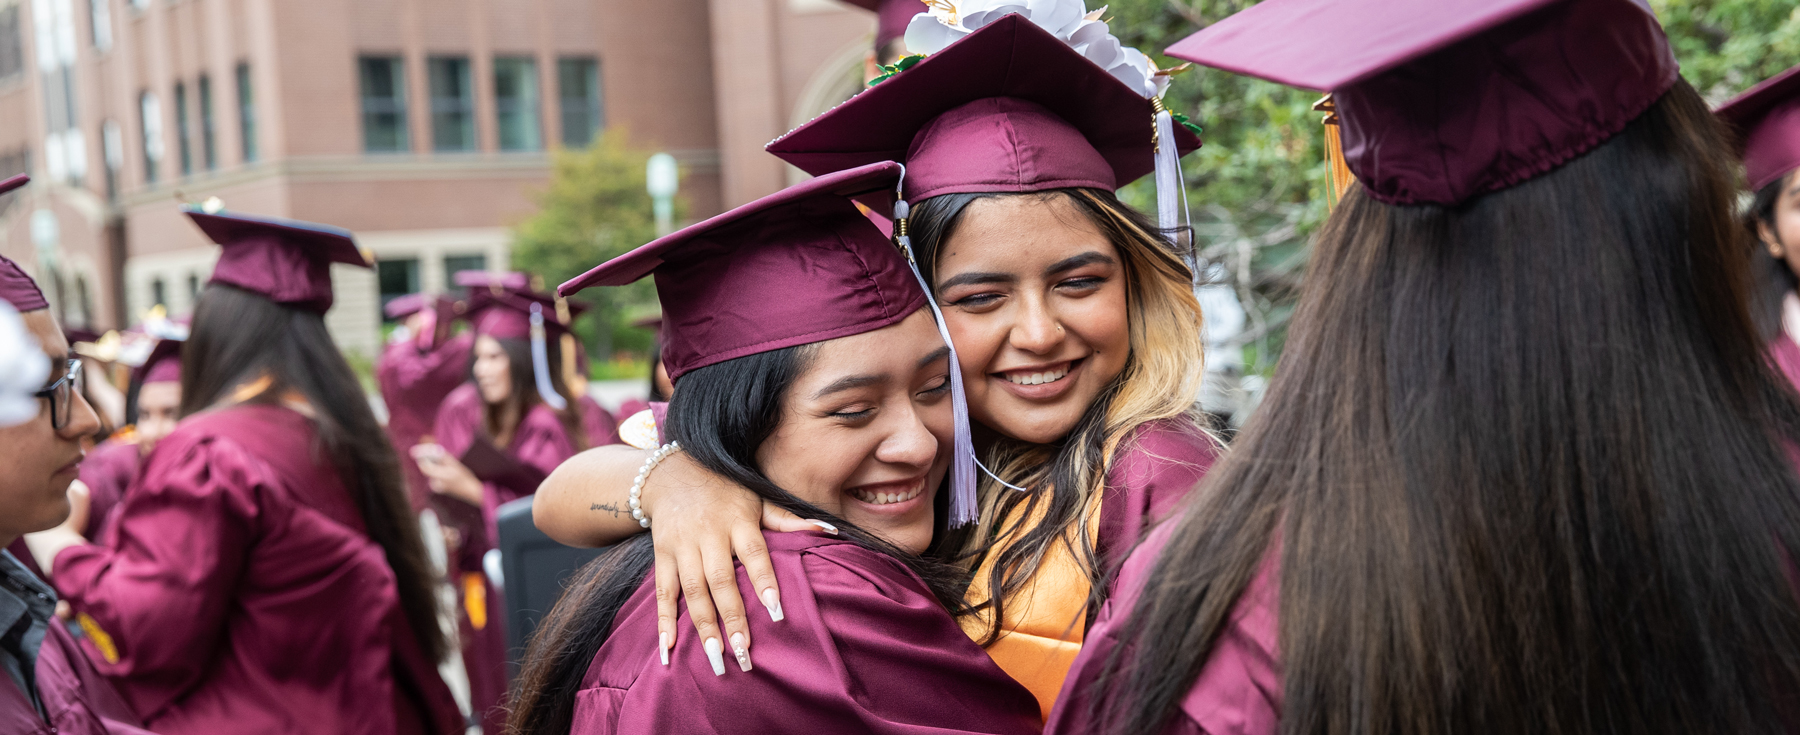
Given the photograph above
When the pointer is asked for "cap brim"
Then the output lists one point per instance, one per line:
(14, 182)
(1327, 44)
(1745, 109)
(483, 279)
(334, 244)
(1011, 57)
(638, 263)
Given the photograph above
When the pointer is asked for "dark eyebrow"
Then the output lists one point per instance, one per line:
(937, 354)
(1076, 261)
(844, 384)
(964, 279)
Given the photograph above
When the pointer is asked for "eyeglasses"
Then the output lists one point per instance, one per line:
(61, 394)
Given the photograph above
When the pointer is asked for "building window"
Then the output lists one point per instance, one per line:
(516, 104)
(209, 153)
(246, 97)
(383, 104)
(159, 293)
(578, 91)
(100, 24)
(181, 129)
(150, 121)
(112, 153)
(397, 278)
(193, 287)
(452, 105)
(12, 47)
(454, 264)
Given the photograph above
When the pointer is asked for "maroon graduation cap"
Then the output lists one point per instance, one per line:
(286, 260)
(1440, 101)
(1768, 118)
(164, 363)
(799, 266)
(507, 315)
(793, 268)
(16, 288)
(1007, 108)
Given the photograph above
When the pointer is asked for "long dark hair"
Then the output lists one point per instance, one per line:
(525, 393)
(1774, 279)
(721, 415)
(1159, 381)
(239, 336)
(1523, 460)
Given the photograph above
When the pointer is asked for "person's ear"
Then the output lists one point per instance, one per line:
(1770, 239)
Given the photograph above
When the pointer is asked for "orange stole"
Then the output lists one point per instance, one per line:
(1045, 621)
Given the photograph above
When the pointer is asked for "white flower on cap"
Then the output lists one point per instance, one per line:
(948, 20)
(23, 369)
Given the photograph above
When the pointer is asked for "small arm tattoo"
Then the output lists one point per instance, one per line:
(608, 507)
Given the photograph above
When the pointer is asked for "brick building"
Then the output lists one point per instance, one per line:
(422, 125)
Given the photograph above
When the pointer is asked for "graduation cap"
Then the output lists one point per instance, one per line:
(796, 267)
(1768, 118)
(286, 260)
(1009, 107)
(1440, 101)
(16, 288)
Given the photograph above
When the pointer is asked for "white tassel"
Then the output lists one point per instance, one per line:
(965, 507)
(540, 362)
(1171, 196)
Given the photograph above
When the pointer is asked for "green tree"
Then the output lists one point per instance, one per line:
(1256, 188)
(595, 209)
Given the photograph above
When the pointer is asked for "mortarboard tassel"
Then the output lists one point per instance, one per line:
(1171, 196)
(540, 362)
(964, 507)
(1338, 176)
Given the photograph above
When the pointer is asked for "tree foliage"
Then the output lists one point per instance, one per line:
(1256, 189)
(595, 209)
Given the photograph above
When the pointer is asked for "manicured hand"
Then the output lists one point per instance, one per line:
(700, 522)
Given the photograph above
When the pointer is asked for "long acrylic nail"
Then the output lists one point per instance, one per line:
(772, 601)
(826, 527)
(738, 649)
(662, 646)
(716, 654)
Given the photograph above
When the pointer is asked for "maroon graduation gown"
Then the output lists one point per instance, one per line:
(865, 648)
(77, 699)
(1152, 473)
(540, 442)
(107, 471)
(413, 383)
(601, 427)
(242, 593)
(1239, 690)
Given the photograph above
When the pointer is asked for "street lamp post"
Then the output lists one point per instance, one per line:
(662, 178)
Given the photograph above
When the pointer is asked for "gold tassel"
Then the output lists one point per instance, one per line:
(1339, 176)
(571, 370)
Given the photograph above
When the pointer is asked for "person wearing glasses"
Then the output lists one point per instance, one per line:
(265, 572)
(48, 685)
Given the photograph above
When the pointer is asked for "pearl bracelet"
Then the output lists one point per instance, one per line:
(637, 485)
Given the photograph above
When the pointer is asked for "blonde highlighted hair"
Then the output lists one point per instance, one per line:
(1160, 381)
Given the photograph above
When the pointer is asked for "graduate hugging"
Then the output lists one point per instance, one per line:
(810, 370)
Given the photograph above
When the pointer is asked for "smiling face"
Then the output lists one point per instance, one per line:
(880, 402)
(493, 371)
(1034, 296)
(39, 461)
